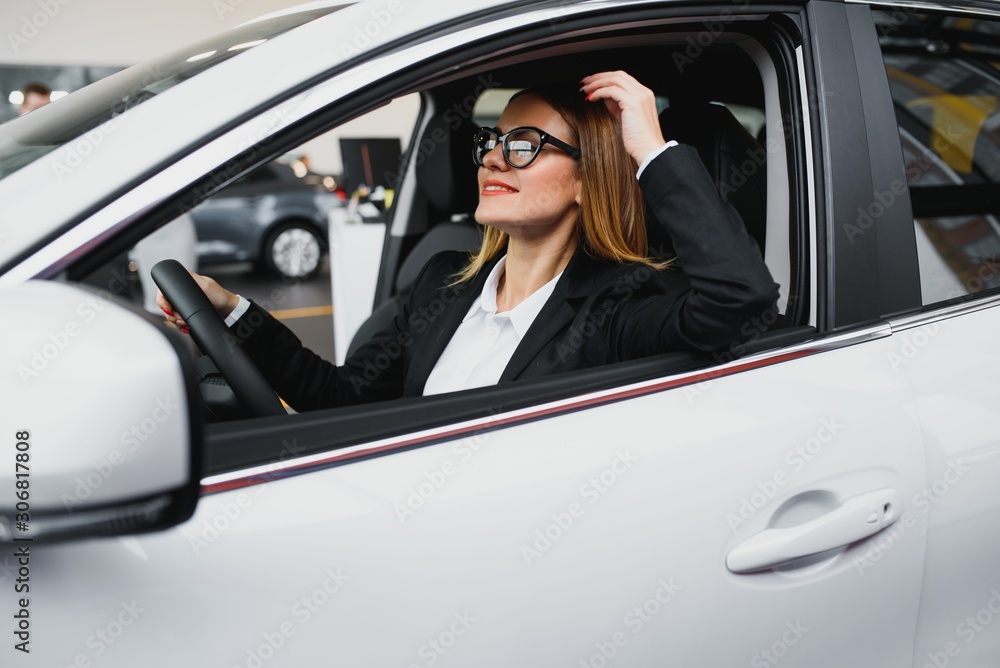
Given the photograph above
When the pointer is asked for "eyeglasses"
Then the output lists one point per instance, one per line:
(520, 146)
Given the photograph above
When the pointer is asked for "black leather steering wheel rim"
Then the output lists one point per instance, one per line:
(214, 339)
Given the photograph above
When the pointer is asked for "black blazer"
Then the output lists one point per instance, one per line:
(599, 312)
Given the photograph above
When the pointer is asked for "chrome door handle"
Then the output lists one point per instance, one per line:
(858, 518)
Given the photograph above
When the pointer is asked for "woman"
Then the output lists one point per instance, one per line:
(563, 280)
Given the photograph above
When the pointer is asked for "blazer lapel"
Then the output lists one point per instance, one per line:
(428, 349)
(572, 288)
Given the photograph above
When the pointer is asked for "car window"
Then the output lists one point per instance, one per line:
(267, 234)
(944, 78)
(737, 86)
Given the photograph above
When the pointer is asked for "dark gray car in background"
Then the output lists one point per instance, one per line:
(270, 217)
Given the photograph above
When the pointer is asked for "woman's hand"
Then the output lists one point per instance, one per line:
(223, 300)
(633, 105)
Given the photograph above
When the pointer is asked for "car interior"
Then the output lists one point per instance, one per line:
(732, 95)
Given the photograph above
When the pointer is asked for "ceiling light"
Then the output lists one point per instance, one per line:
(246, 45)
(201, 56)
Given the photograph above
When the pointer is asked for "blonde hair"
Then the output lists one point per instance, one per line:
(612, 221)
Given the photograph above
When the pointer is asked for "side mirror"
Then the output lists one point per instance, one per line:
(98, 432)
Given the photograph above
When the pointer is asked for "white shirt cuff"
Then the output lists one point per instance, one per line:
(241, 308)
(652, 156)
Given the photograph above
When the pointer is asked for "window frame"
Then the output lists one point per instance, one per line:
(265, 441)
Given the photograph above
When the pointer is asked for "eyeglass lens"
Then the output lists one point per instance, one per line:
(519, 146)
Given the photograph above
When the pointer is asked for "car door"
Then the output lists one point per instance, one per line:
(758, 511)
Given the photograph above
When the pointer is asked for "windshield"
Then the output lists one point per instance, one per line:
(25, 139)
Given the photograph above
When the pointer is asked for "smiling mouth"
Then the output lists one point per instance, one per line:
(497, 189)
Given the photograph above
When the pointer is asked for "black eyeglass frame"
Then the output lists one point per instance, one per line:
(543, 139)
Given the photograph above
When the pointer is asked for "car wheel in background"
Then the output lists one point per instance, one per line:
(293, 250)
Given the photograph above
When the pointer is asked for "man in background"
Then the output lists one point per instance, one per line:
(35, 95)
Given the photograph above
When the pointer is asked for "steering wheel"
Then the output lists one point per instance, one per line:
(209, 331)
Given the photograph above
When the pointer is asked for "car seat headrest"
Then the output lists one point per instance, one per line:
(734, 159)
(444, 168)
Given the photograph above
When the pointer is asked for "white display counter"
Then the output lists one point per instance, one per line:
(355, 256)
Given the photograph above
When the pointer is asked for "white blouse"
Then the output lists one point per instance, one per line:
(483, 344)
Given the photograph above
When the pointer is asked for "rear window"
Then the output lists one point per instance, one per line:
(944, 77)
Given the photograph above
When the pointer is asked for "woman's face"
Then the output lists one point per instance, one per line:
(543, 197)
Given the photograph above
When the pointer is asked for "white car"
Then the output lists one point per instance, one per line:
(827, 494)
